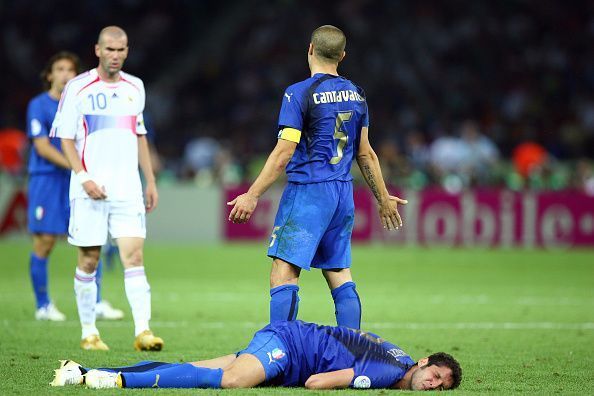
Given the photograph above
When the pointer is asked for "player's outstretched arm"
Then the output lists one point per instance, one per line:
(151, 196)
(331, 380)
(370, 168)
(49, 152)
(90, 187)
(245, 204)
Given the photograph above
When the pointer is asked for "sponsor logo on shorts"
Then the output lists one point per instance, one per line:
(275, 355)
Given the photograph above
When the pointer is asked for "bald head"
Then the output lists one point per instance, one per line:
(328, 43)
(112, 51)
(111, 32)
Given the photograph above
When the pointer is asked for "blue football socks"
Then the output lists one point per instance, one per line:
(38, 272)
(347, 305)
(99, 279)
(170, 375)
(284, 303)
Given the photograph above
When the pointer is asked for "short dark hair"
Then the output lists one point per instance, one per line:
(442, 359)
(328, 43)
(47, 70)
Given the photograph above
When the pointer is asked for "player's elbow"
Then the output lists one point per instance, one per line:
(282, 162)
(365, 153)
(282, 159)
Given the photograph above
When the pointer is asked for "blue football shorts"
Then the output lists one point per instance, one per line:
(48, 204)
(270, 350)
(313, 225)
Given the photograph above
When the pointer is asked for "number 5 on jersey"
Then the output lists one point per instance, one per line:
(340, 134)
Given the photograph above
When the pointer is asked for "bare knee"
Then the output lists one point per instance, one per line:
(231, 380)
(43, 244)
(88, 258)
(283, 273)
(132, 258)
(337, 277)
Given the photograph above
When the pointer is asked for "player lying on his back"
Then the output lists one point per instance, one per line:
(285, 353)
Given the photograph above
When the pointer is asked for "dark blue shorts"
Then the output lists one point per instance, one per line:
(48, 205)
(270, 351)
(313, 225)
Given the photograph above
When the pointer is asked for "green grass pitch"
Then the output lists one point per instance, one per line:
(518, 321)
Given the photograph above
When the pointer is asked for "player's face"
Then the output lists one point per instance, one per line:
(112, 52)
(62, 71)
(432, 377)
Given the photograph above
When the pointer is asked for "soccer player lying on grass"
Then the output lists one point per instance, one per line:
(291, 353)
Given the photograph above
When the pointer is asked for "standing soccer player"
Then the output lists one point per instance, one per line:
(323, 124)
(49, 178)
(100, 123)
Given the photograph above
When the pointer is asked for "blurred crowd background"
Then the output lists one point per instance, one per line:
(462, 94)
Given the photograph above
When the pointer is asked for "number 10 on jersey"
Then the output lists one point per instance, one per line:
(98, 101)
(340, 134)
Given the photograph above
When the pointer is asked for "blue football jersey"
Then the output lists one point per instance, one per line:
(329, 112)
(314, 349)
(40, 116)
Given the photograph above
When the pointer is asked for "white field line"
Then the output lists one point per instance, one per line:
(222, 297)
(369, 325)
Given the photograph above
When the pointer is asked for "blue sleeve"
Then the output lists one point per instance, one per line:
(36, 123)
(293, 109)
(375, 375)
(366, 115)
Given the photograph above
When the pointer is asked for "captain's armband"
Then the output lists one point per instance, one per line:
(290, 134)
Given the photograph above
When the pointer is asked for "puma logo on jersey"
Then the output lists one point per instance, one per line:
(156, 384)
(288, 96)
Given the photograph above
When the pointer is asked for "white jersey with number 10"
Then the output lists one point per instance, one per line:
(104, 119)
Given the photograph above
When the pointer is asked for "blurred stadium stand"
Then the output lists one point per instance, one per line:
(456, 89)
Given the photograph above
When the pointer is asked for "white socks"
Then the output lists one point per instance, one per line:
(85, 290)
(138, 292)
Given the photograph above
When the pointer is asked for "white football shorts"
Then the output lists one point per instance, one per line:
(91, 220)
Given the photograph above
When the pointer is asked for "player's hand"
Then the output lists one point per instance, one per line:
(243, 207)
(93, 190)
(151, 197)
(388, 212)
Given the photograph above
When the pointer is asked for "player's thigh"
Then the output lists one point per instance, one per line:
(127, 219)
(334, 249)
(88, 222)
(247, 371)
(303, 216)
(265, 358)
(220, 362)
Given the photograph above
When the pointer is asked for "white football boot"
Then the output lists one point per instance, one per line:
(51, 313)
(104, 311)
(98, 379)
(69, 373)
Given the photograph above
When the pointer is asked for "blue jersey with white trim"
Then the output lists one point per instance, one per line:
(314, 349)
(40, 115)
(330, 112)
